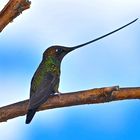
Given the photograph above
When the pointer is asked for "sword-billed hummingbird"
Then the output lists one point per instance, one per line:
(45, 81)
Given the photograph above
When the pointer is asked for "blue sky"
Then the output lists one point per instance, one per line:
(113, 60)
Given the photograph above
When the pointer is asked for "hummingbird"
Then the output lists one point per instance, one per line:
(45, 81)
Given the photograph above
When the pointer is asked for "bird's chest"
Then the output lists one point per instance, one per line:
(44, 69)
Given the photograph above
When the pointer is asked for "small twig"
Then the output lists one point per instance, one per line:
(92, 96)
(11, 10)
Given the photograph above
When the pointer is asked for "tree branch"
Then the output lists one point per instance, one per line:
(11, 10)
(92, 96)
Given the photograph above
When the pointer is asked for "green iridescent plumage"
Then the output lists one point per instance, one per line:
(48, 65)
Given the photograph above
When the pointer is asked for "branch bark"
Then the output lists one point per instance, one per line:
(93, 96)
(11, 10)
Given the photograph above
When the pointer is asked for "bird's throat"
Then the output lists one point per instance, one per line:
(52, 65)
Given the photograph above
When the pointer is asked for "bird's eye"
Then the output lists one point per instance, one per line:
(58, 50)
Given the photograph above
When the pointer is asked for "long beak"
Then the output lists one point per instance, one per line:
(89, 42)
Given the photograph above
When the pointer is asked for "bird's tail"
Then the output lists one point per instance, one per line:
(30, 115)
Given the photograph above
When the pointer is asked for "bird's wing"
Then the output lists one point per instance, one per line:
(45, 89)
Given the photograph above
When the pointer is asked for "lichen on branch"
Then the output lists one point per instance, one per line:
(11, 10)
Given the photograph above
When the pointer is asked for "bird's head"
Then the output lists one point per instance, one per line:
(57, 52)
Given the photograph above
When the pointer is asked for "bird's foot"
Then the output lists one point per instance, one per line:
(59, 94)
